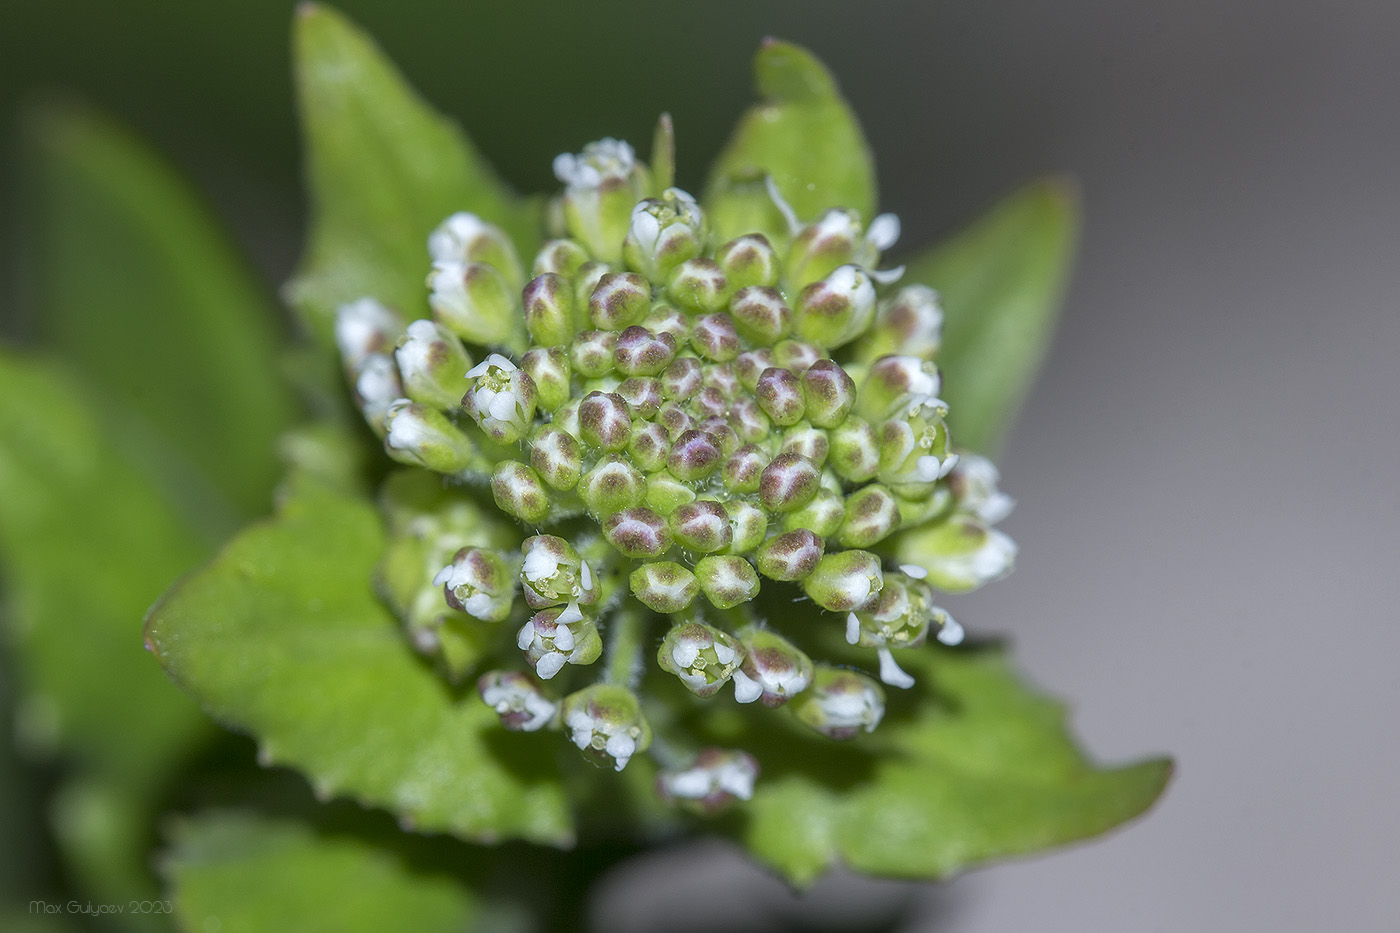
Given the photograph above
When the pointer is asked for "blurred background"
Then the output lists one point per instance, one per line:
(1208, 471)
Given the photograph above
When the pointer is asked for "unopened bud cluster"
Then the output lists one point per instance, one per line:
(677, 424)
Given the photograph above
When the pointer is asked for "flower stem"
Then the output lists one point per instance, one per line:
(625, 634)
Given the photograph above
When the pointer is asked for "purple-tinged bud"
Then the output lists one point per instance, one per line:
(519, 492)
(638, 533)
(959, 554)
(726, 580)
(602, 183)
(619, 300)
(364, 328)
(974, 483)
(872, 515)
(714, 338)
(592, 353)
(761, 315)
(743, 469)
(855, 450)
(748, 525)
(823, 515)
(790, 556)
(466, 238)
(561, 635)
(694, 456)
(663, 233)
(837, 309)
(751, 364)
(709, 403)
(605, 721)
(648, 447)
(749, 260)
(518, 699)
(642, 395)
(664, 586)
(562, 257)
(779, 394)
(702, 526)
(432, 363)
(699, 286)
(895, 385)
(552, 572)
(748, 420)
(910, 323)
(474, 301)
(713, 781)
(557, 457)
(549, 310)
(682, 379)
(806, 440)
(478, 582)
(845, 580)
(674, 419)
(796, 355)
(722, 377)
(788, 483)
(584, 282)
(828, 392)
(665, 493)
(604, 420)
(773, 671)
(665, 319)
(725, 437)
(422, 436)
(841, 703)
(377, 388)
(610, 486)
(500, 399)
(640, 352)
(702, 657)
(548, 368)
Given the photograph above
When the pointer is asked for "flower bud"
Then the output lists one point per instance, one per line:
(432, 363)
(605, 422)
(619, 300)
(592, 353)
(694, 456)
(605, 721)
(562, 257)
(500, 398)
(714, 338)
(751, 364)
(974, 484)
(845, 580)
(715, 779)
(796, 355)
(811, 442)
(748, 420)
(602, 183)
(841, 703)
(478, 582)
(519, 491)
(663, 233)
(698, 285)
(726, 580)
(855, 450)
(872, 514)
(518, 699)
(779, 394)
(823, 515)
(665, 493)
(649, 445)
(702, 526)
(837, 309)
(743, 469)
(829, 241)
(610, 486)
(557, 636)
(664, 586)
(422, 436)
(466, 238)
(702, 656)
(552, 572)
(638, 533)
(364, 328)
(790, 556)
(747, 526)
(960, 553)
(377, 388)
(910, 323)
(914, 455)
(894, 385)
(788, 483)
(682, 379)
(557, 456)
(474, 301)
(665, 319)
(548, 302)
(773, 671)
(749, 260)
(548, 369)
(640, 352)
(828, 393)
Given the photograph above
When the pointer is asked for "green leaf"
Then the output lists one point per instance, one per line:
(1002, 282)
(804, 135)
(384, 170)
(240, 872)
(138, 287)
(967, 767)
(283, 637)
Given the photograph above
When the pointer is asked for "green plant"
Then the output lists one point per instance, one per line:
(642, 450)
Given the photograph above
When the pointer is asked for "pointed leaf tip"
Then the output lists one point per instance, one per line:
(788, 72)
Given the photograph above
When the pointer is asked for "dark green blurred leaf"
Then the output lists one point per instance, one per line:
(384, 170)
(804, 135)
(283, 637)
(1002, 281)
(240, 872)
(969, 766)
(138, 287)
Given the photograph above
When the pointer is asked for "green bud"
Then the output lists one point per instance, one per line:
(751, 364)
(475, 301)
(664, 586)
(500, 399)
(376, 388)
(664, 319)
(663, 233)
(605, 421)
(698, 285)
(562, 257)
(640, 352)
(519, 491)
(643, 397)
(896, 384)
(749, 260)
(845, 580)
(855, 450)
(605, 721)
(422, 436)
(557, 457)
(806, 440)
(638, 533)
(796, 355)
(619, 300)
(584, 282)
(714, 338)
(828, 392)
(910, 323)
(682, 379)
(837, 309)
(548, 302)
(548, 369)
(790, 556)
(726, 580)
(665, 493)
(592, 353)
(748, 420)
(788, 483)
(959, 554)
(829, 241)
(872, 514)
(480, 583)
(748, 525)
(694, 456)
(432, 363)
(518, 699)
(779, 394)
(841, 703)
(552, 572)
(773, 671)
(702, 525)
(610, 486)
(602, 183)
(823, 515)
(743, 469)
(649, 446)
(702, 657)
(465, 238)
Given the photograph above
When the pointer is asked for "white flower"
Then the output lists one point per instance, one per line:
(605, 159)
(974, 482)
(716, 775)
(455, 237)
(364, 327)
(501, 398)
(517, 702)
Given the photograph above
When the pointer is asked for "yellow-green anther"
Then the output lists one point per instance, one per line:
(562, 257)
(698, 285)
(420, 435)
(518, 699)
(811, 442)
(845, 580)
(548, 368)
(642, 352)
(376, 388)
(790, 556)
(665, 493)
(592, 353)
(557, 457)
(823, 515)
(749, 260)
(602, 183)
(910, 323)
(663, 233)
(894, 385)
(642, 395)
(828, 392)
(475, 301)
(638, 533)
(726, 580)
(432, 363)
(702, 526)
(779, 394)
(788, 483)
(610, 486)
(701, 655)
(693, 456)
(500, 398)
(648, 447)
(748, 526)
(604, 420)
(519, 492)
(796, 355)
(872, 514)
(619, 300)
(855, 450)
(714, 338)
(959, 553)
(552, 572)
(605, 721)
(480, 583)
(682, 378)
(664, 586)
(773, 671)
(748, 420)
(837, 309)
(365, 328)
(548, 302)
(840, 703)
(465, 238)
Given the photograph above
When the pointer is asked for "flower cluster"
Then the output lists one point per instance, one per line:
(678, 424)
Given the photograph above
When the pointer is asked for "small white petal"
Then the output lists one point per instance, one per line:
(891, 673)
(784, 208)
(746, 689)
(444, 575)
(887, 276)
(913, 571)
(852, 628)
(883, 232)
(564, 638)
(526, 637)
(951, 633)
(684, 653)
(723, 653)
(549, 665)
(585, 575)
(571, 614)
